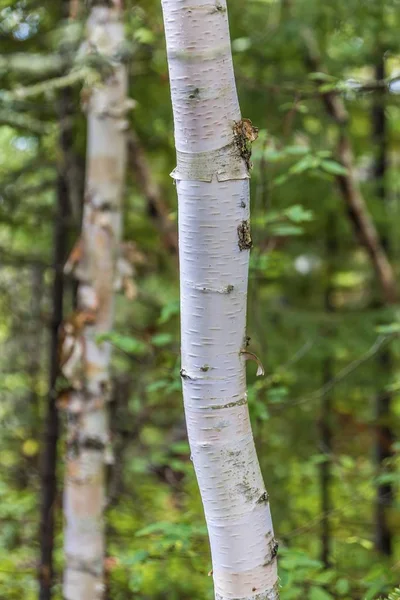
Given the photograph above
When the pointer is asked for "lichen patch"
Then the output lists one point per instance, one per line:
(218, 8)
(194, 93)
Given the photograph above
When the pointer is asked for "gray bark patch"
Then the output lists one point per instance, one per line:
(225, 163)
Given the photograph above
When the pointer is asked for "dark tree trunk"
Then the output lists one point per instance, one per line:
(34, 349)
(384, 434)
(51, 434)
(326, 402)
(49, 457)
(326, 447)
(357, 209)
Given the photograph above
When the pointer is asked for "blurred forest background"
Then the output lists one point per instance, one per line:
(321, 81)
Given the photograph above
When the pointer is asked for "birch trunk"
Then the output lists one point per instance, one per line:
(212, 179)
(87, 361)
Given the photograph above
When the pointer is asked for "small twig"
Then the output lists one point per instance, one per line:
(294, 359)
(381, 341)
(152, 193)
(44, 87)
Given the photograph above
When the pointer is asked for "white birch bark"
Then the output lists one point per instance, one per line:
(87, 362)
(212, 179)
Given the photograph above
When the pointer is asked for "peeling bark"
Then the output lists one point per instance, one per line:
(212, 178)
(85, 360)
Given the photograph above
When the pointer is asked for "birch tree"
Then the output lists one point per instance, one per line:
(85, 359)
(213, 145)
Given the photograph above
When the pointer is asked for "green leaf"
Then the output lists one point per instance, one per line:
(333, 167)
(327, 87)
(241, 44)
(320, 76)
(181, 447)
(298, 214)
(158, 528)
(135, 581)
(388, 478)
(281, 179)
(125, 343)
(348, 279)
(395, 595)
(284, 229)
(276, 395)
(162, 339)
(342, 586)
(318, 459)
(388, 329)
(306, 163)
(325, 577)
(318, 593)
(273, 155)
(169, 310)
(297, 559)
(155, 386)
(144, 35)
(297, 150)
(133, 559)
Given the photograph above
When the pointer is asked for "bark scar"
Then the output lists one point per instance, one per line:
(184, 374)
(245, 242)
(218, 8)
(245, 134)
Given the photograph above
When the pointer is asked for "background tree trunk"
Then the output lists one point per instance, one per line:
(50, 442)
(328, 370)
(357, 209)
(35, 345)
(49, 455)
(87, 363)
(212, 178)
(384, 433)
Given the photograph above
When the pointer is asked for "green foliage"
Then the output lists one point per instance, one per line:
(125, 343)
(395, 595)
(157, 542)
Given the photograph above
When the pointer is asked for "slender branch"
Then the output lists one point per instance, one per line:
(44, 87)
(21, 260)
(151, 191)
(376, 347)
(24, 122)
(32, 64)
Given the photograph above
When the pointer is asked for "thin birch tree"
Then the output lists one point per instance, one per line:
(85, 359)
(213, 145)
